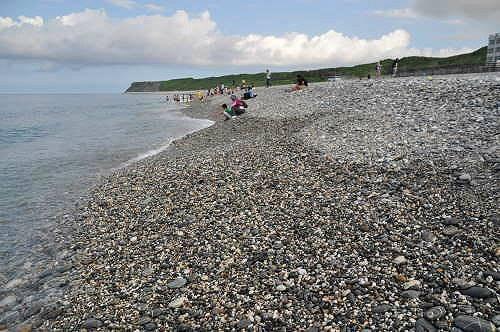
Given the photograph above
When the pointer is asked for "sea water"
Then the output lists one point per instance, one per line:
(54, 147)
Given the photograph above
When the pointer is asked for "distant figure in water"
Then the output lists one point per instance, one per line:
(378, 68)
(268, 78)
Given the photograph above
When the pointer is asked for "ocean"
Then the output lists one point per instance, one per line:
(54, 147)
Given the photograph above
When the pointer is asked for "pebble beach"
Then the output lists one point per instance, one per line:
(349, 206)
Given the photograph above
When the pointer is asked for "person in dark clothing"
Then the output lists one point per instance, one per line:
(301, 83)
(395, 67)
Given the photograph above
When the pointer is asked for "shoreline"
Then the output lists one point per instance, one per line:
(223, 228)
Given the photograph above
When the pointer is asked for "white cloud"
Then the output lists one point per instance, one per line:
(397, 13)
(8, 22)
(154, 7)
(91, 37)
(128, 4)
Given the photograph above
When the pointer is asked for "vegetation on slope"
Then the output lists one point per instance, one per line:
(406, 64)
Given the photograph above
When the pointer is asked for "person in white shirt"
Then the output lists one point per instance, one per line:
(268, 78)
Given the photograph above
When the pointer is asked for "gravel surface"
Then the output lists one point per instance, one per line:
(359, 206)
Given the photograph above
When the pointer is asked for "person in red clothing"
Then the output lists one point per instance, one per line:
(238, 106)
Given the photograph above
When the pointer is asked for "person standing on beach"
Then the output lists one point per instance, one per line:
(395, 67)
(268, 78)
(378, 68)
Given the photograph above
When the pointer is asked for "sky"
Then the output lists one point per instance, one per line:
(93, 46)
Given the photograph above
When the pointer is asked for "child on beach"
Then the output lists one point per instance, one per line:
(301, 83)
(238, 106)
(228, 112)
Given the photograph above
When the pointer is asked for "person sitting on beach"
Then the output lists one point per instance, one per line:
(238, 106)
(301, 83)
(250, 93)
(228, 112)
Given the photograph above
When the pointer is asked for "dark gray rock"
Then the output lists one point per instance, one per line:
(451, 230)
(474, 324)
(423, 325)
(92, 323)
(477, 292)
(435, 313)
(33, 309)
(382, 308)
(177, 283)
(493, 274)
(496, 320)
(428, 236)
(244, 323)
(151, 326)
(51, 311)
(410, 294)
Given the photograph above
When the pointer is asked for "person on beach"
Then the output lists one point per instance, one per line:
(378, 69)
(300, 84)
(395, 67)
(228, 112)
(268, 78)
(238, 106)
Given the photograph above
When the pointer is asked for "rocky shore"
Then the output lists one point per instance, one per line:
(358, 206)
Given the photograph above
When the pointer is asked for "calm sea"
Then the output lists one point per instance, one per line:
(53, 147)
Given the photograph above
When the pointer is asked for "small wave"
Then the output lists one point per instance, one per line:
(162, 148)
(145, 155)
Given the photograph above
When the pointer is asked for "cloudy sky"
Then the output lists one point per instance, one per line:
(102, 45)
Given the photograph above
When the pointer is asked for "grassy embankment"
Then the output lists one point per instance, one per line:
(320, 75)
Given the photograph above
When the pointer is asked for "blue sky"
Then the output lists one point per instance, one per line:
(102, 45)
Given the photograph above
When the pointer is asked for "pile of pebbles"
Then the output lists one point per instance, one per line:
(361, 206)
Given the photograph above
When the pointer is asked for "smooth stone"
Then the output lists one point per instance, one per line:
(143, 320)
(178, 302)
(428, 236)
(435, 313)
(244, 323)
(473, 324)
(177, 283)
(477, 292)
(51, 312)
(382, 308)
(493, 274)
(410, 294)
(466, 309)
(451, 230)
(496, 320)
(423, 325)
(412, 284)
(450, 221)
(8, 301)
(157, 312)
(151, 326)
(281, 288)
(92, 323)
(466, 177)
(400, 260)
(13, 284)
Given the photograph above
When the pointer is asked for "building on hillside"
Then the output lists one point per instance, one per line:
(493, 55)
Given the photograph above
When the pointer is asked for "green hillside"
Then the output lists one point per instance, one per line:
(406, 64)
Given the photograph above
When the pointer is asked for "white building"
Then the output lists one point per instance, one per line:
(493, 55)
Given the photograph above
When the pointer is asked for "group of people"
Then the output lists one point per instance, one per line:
(180, 98)
(394, 69)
